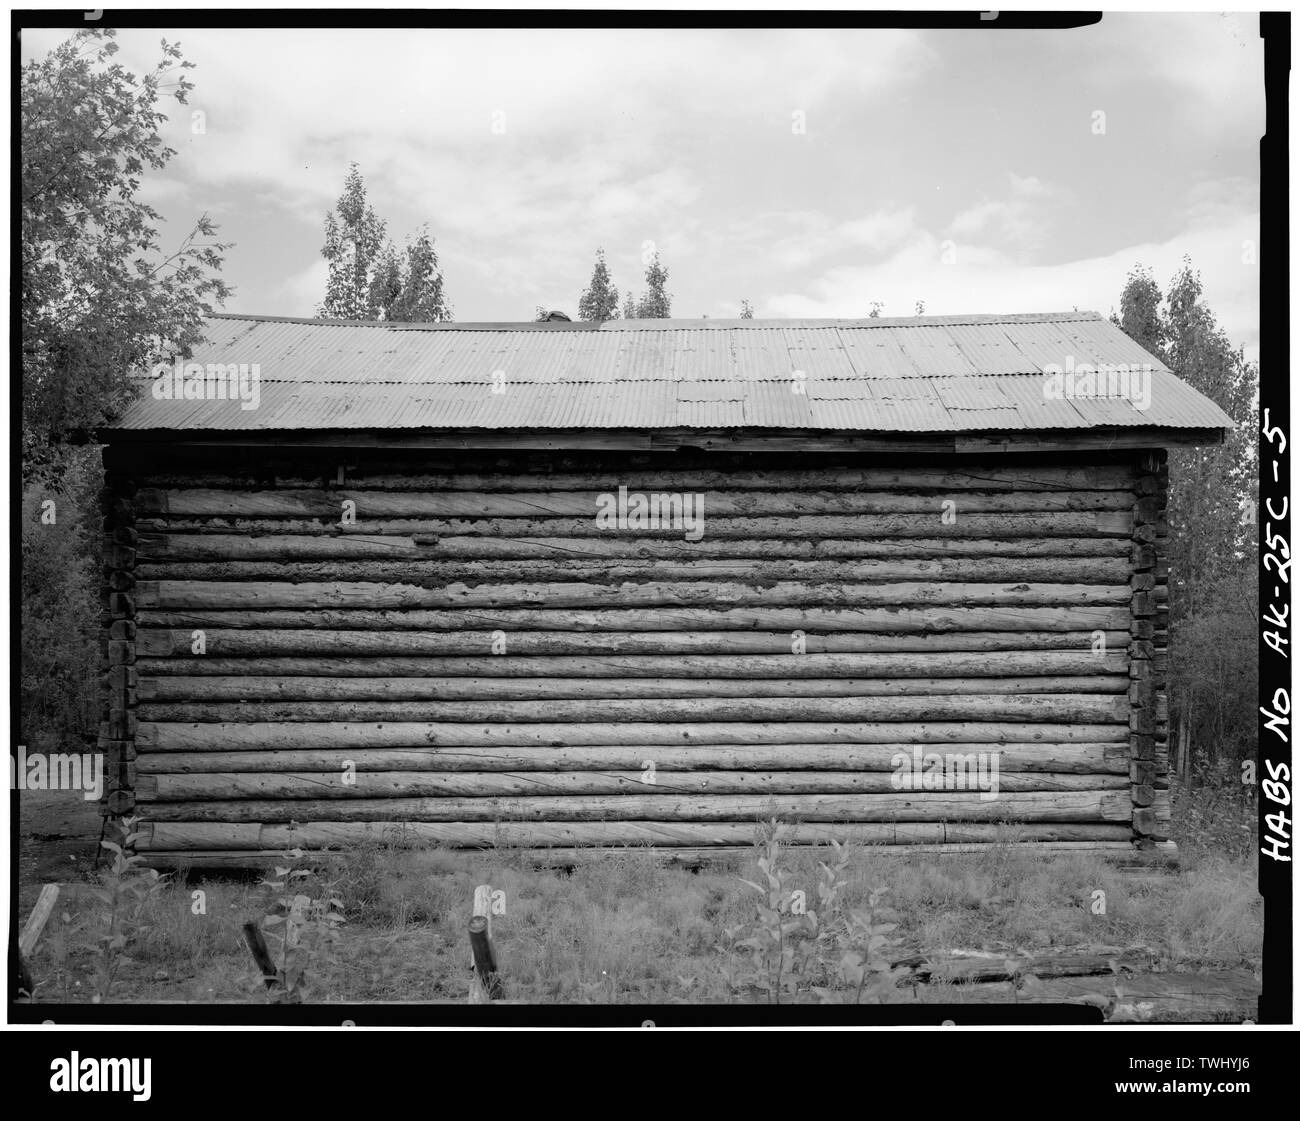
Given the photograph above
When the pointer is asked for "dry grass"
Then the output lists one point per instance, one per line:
(621, 927)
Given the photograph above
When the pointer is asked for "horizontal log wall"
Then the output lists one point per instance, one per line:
(179, 840)
(318, 649)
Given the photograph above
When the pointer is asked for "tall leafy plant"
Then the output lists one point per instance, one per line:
(1212, 535)
(100, 295)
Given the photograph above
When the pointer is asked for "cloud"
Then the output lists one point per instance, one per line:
(523, 149)
(303, 291)
(1217, 237)
(289, 108)
(796, 239)
(1210, 62)
(683, 137)
(1029, 187)
(1020, 219)
(1208, 55)
(880, 230)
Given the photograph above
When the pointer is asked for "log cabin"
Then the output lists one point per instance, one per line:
(643, 583)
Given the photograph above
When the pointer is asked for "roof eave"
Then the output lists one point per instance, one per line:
(738, 439)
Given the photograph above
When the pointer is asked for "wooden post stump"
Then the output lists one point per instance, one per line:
(31, 934)
(261, 954)
(487, 983)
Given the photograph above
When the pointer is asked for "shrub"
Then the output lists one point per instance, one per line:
(60, 696)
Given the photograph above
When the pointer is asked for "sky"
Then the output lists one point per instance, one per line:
(812, 172)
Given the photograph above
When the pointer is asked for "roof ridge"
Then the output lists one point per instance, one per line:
(972, 318)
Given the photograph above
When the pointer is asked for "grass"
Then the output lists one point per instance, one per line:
(623, 928)
(1215, 813)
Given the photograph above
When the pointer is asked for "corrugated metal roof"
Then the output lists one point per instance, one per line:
(926, 374)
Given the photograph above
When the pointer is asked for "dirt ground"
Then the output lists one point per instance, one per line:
(59, 836)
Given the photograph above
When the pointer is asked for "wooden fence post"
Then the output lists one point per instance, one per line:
(31, 934)
(257, 947)
(487, 983)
